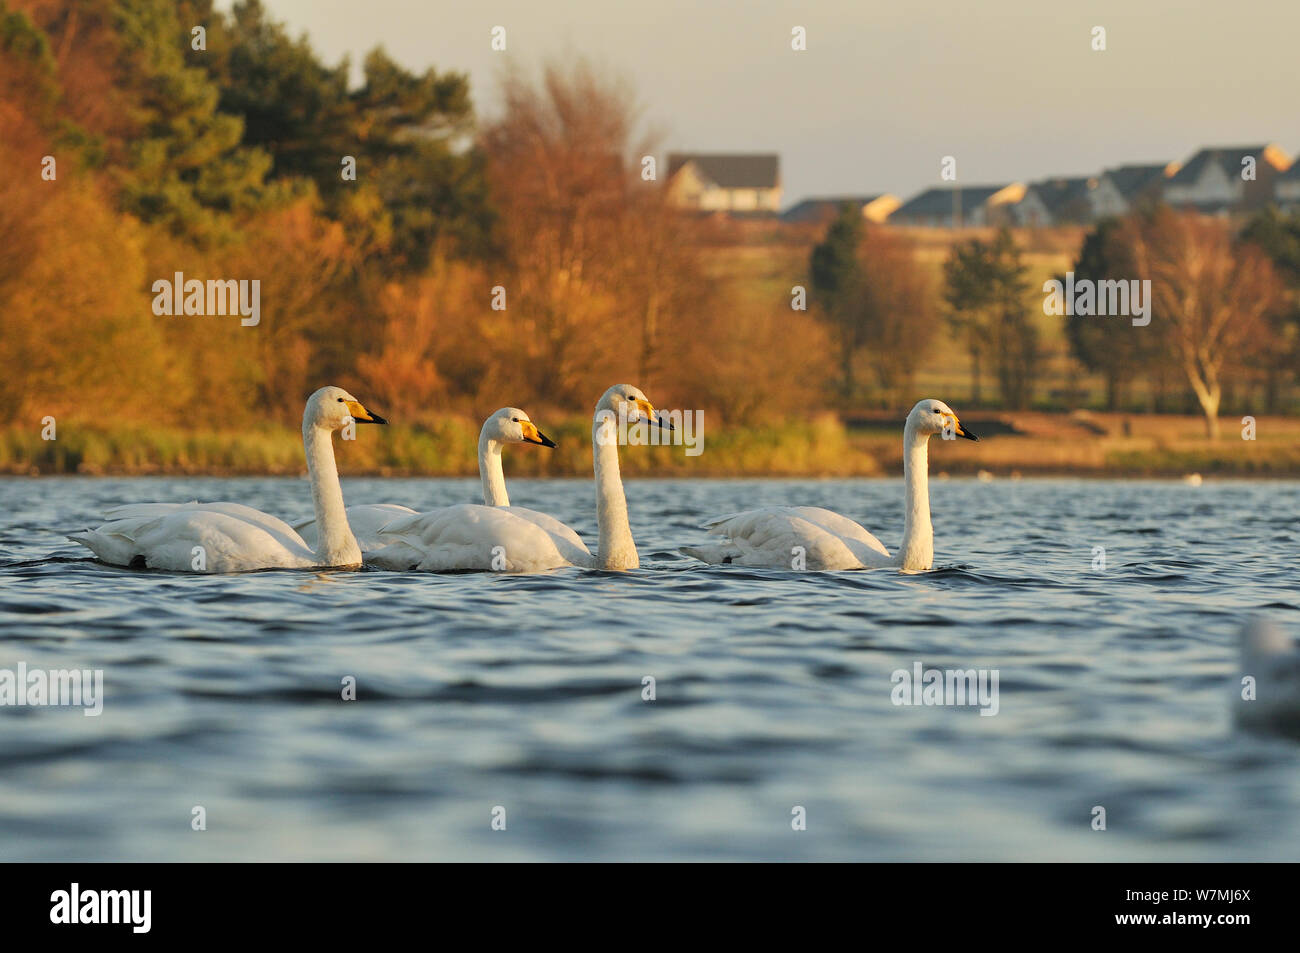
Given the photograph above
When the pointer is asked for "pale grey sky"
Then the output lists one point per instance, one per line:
(886, 88)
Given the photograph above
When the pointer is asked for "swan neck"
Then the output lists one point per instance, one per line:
(617, 550)
(490, 472)
(335, 546)
(917, 551)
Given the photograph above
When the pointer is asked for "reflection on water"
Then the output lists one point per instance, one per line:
(772, 689)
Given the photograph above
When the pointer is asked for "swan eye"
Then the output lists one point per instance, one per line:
(340, 400)
(515, 419)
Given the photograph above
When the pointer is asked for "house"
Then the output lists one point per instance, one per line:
(1057, 201)
(1125, 187)
(1213, 180)
(1286, 188)
(953, 208)
(820, 211)
(717, 182)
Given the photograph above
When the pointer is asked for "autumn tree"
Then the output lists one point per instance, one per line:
(896, 311)
(1210, 295)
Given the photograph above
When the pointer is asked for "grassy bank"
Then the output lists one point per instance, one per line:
(1028, 443)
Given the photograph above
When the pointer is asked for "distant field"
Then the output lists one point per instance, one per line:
(765, 259)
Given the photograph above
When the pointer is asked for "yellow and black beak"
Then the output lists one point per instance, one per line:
(965, 432)
(652, 415)
(361, 415)
(533, 435)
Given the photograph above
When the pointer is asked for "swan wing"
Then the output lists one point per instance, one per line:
(365, 519)
(274, 526)
(568, 542)
(841, 526)
(468, 537)
(175, 540)
(774, 536)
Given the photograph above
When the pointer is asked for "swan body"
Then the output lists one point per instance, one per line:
(1273, 661)
(507, 425)
(809, 537)
(470, 537)
(231, 537)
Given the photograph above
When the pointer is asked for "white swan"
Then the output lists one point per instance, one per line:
(785, 537)
(507, 425)
(1272, 660)
(516, 539)
(231, 537)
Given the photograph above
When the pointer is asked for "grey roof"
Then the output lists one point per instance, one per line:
(732, 170)
(1059, 195)
(1132, 180)
(1227, 158)
(939, 201)
(1292, 174)
(824, 209)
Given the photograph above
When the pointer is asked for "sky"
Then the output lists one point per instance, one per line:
(1011, 88)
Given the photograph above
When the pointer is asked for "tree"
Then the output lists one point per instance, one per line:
(1278, 237)
(186, 165)
(895, 312)
(418, 178)
(985, 289)
(837, 282)
(1211, 295)
(1117, 350)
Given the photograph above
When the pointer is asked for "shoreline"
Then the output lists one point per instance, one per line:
(1014, 444)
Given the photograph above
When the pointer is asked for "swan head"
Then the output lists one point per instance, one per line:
(332, 407)
(511, 425)
(630, 403)
(931, 416)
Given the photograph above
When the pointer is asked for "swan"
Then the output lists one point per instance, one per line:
(470, 537)
(785, 537)
(507, 425)
(231, 537)
(1273, 661)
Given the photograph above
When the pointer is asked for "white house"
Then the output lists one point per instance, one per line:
(735, 183)
(1226, 179)
(1059, 201)
(1120, 189)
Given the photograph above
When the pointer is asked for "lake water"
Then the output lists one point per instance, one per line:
(773, 689)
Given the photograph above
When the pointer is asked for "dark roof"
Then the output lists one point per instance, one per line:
(824, 209)
(1133, 180)
(939, 201)
(732, 170)
(1291, 174)
(1058, 195)
(1227, 158)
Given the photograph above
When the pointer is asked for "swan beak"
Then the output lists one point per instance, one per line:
(363, 416)
(963, 432)
(653, 416)
(533, 435)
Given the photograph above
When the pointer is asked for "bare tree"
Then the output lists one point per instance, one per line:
(1209, 296)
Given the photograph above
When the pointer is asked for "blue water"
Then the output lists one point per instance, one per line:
(773, 688)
